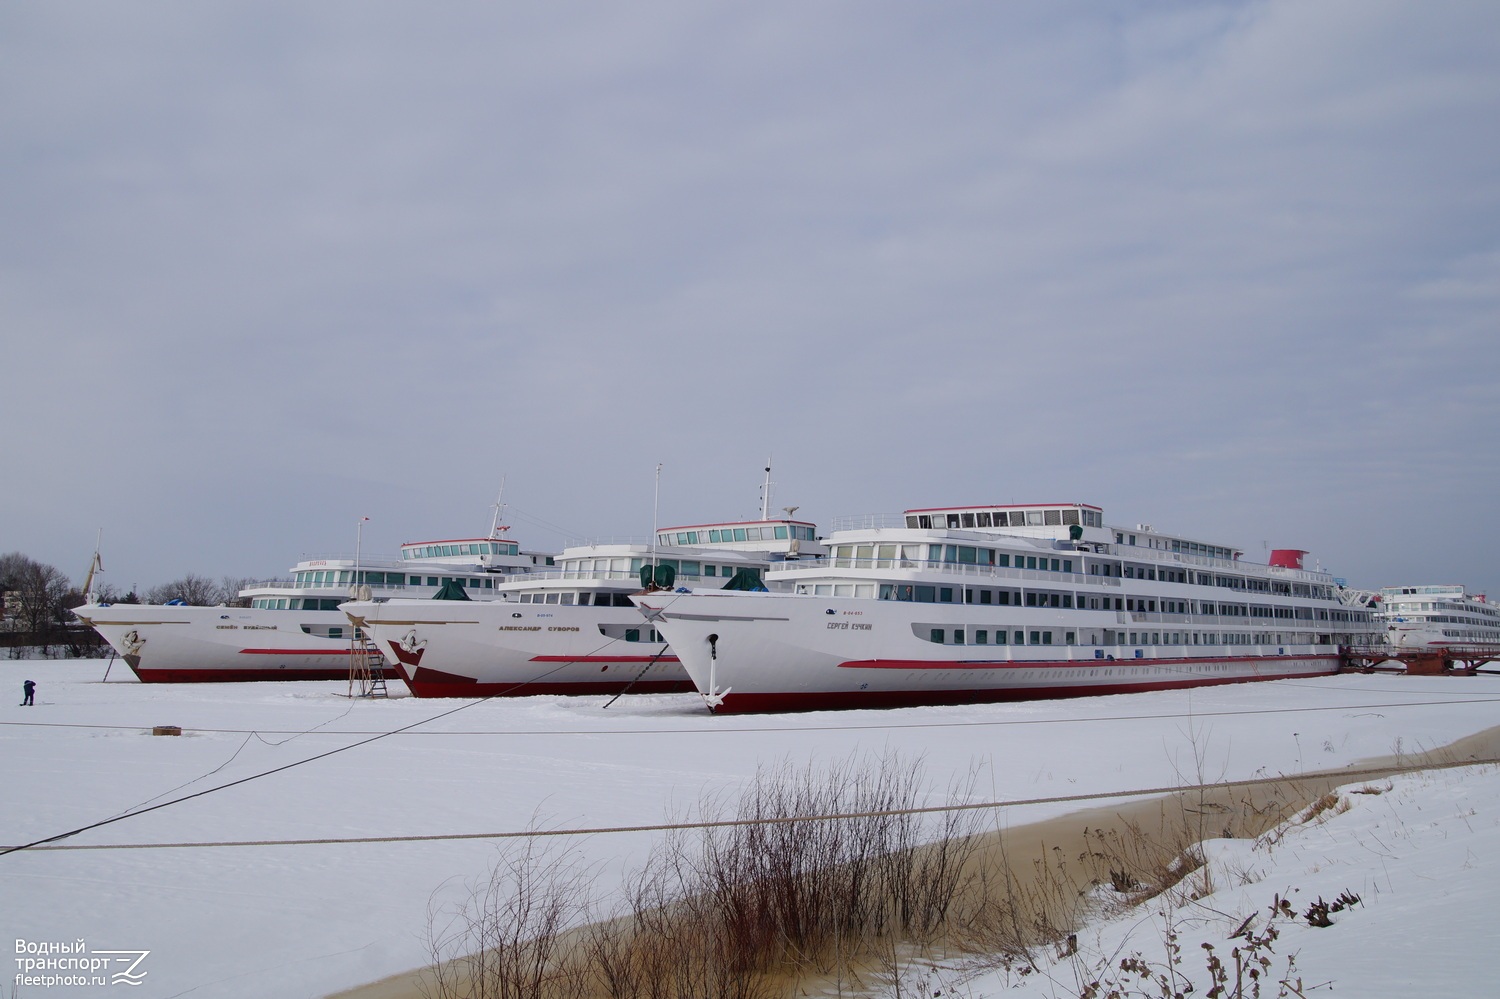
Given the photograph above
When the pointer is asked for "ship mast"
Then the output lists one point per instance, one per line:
(95, 566)
(655, 518)
(495, 527)
(765, 494)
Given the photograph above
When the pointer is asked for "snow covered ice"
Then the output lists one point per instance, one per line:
(310, 919)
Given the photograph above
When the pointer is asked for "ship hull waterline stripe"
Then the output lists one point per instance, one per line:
(737, 702)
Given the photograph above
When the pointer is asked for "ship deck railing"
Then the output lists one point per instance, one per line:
(946, 568)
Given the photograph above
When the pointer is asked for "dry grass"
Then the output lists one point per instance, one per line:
(738, 911)
(789, 903)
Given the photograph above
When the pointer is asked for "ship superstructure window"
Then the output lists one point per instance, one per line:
(1041, 517)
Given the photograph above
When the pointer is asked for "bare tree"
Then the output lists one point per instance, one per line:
(35, 594)
(190, 589)
(230, 587)
(108, 593)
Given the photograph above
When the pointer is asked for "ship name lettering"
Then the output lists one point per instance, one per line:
(561, 627)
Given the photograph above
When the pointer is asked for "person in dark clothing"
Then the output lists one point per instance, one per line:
(30, 688)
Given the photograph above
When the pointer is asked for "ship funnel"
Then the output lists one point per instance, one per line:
(1287, 558)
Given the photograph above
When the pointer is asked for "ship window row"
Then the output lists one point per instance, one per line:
(296, 603)
(1007, 518)
(587, 598)
(457, 550)
(1477, 622)
(623, 567)
(727, 535)
(918, 593)
(914, 556)
(981, 636)
(1481, 613)
(1193, 548)
(1255, 584)
(1003, 636)
(333, 577)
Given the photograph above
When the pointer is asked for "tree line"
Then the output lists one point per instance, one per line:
(39, 598)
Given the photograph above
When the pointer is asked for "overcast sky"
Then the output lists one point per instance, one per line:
(1231, 269)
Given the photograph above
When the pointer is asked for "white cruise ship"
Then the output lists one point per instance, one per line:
(574, 630)
(1439, 616)
(293, 629)
(1005, 602)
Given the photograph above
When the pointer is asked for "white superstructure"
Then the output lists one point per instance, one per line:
(574, 630)
(293, 629)
(1439, 616)
(1003, 602)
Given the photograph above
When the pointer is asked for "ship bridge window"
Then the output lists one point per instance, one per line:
(1070, 516)
(1053, 517)
(953, 520)
(982, 518)
(1033, 518)
(968, 519)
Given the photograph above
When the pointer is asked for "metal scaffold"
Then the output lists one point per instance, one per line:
(366, 667)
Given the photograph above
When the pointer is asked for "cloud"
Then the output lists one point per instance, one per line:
(273, 265)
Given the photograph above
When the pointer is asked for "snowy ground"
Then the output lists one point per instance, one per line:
(306, 920)
(1417, 852)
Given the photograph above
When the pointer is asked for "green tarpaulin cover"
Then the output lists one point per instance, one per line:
(452, 589)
